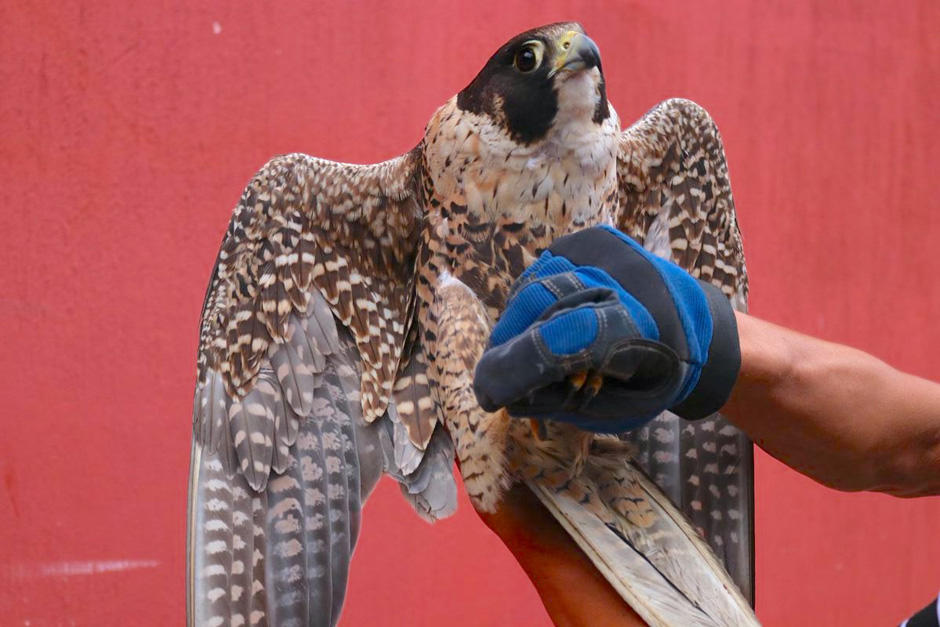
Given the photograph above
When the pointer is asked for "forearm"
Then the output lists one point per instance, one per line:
(836, 414)
(572, 589)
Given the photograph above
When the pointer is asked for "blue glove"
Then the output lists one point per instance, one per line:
(603, 333)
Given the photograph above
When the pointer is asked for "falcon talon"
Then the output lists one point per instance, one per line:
(538, 429)
(578, 379)
(594, 384)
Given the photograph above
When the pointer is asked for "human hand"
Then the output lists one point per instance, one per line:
(604, 334)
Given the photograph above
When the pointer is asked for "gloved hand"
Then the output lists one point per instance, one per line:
(603, 333)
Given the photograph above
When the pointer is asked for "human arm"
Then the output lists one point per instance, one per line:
(651, 338)
(836, 414)
(572, 590)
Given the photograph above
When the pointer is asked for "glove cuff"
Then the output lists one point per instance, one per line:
(721, 368)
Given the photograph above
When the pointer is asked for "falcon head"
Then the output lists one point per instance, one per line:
(538, 81)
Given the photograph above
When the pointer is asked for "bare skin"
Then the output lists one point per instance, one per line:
(831, 412)
(836, 414)
(571, 588)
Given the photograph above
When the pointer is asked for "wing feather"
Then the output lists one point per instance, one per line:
(675, 198)
(675, 191)
(417, 408)
(303, 327)
(349, 231)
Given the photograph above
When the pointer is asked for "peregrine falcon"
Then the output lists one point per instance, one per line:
(349, 305)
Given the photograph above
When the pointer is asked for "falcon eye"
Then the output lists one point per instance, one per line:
(529, 56)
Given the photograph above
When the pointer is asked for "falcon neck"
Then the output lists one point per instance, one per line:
(496, 203)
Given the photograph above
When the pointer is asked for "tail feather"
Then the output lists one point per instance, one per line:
(645, 589)
(642, 544)
(706, 469)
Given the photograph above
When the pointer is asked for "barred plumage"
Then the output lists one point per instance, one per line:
(676, 200)
(349, 231)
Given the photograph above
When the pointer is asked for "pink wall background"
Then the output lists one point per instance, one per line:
(127, 131)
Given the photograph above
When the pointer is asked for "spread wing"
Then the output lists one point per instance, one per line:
(304, 325)
(675, 198)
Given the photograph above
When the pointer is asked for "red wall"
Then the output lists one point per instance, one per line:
(129, 129)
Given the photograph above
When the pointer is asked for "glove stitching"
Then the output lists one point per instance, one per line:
(541, 347)
(550, 284)
(601, 325)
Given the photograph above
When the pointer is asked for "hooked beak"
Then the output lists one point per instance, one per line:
(578, 52)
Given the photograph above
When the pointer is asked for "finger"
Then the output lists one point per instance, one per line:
(543, 298)
(521, 311)
(546, 402)
(542, 355)
(600, 335)
(630, 387)
(547, 265)
(641, 366)
(511, 371)
(548, 351)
